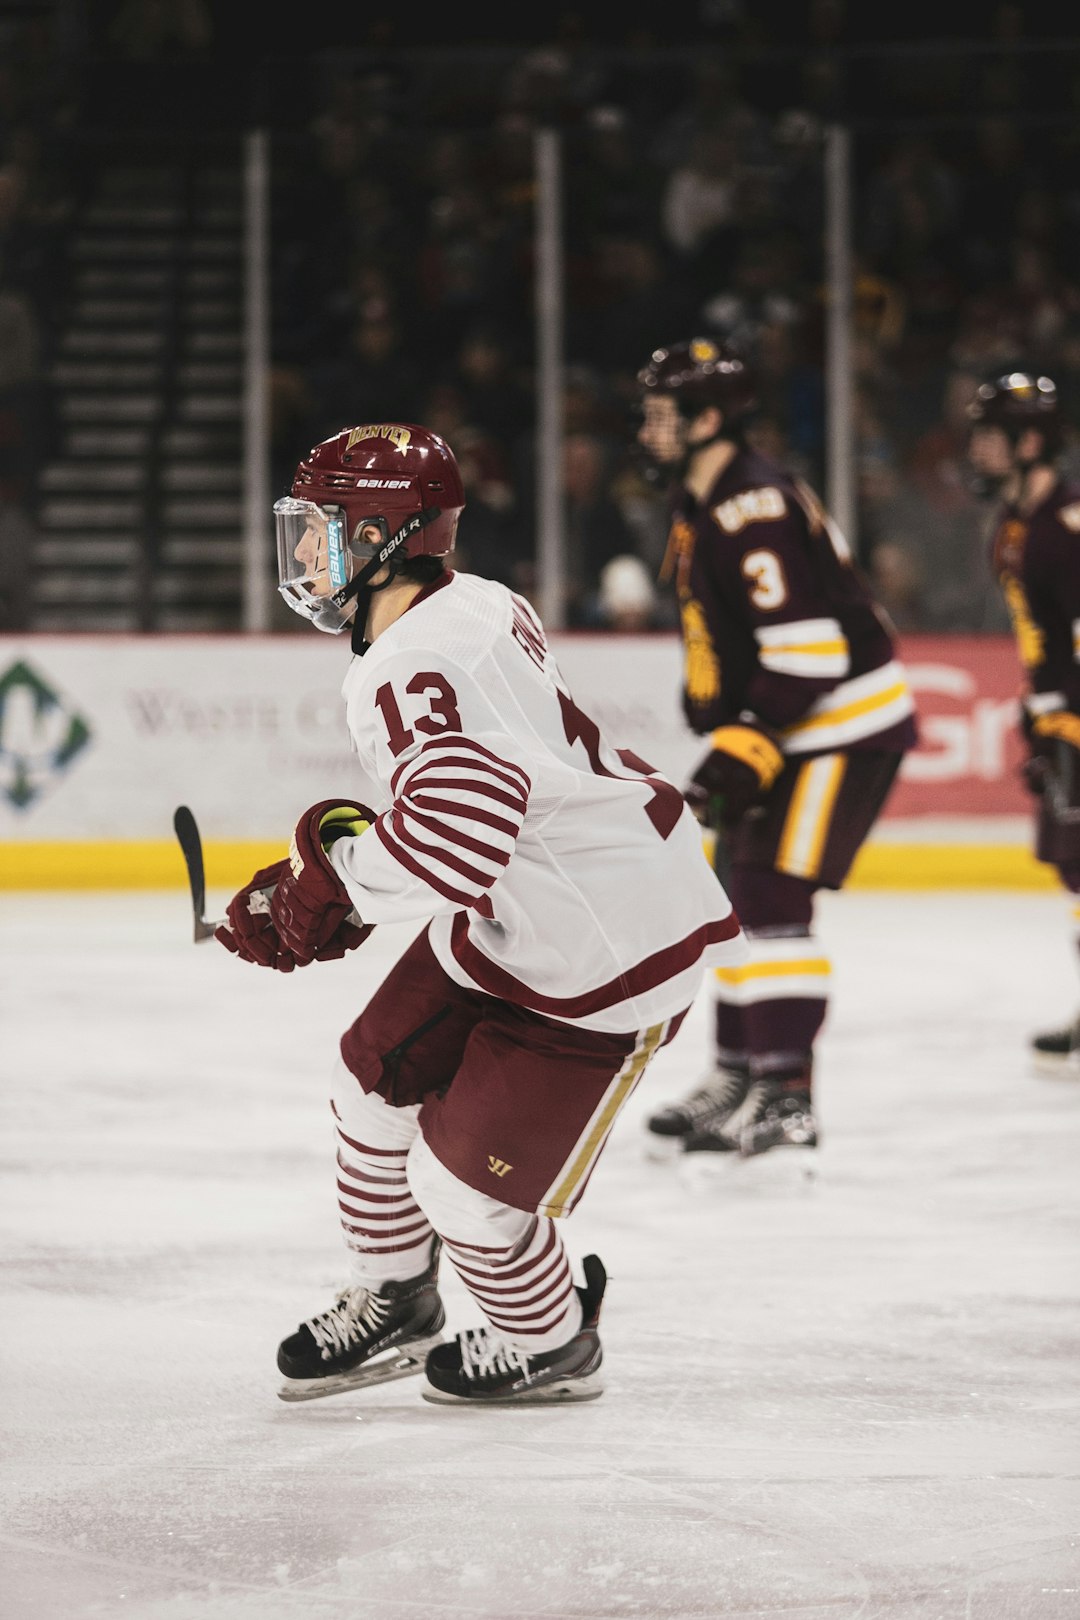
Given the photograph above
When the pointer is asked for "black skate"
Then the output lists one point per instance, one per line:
(705, 1108)
(786, 1120)
(368, 1336)
(1057, 1051)
(478, 1369)
(770, 1115)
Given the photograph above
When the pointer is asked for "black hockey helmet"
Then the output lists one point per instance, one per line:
(1016, 401)
(700, 373)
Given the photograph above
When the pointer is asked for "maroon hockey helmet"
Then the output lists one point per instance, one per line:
(366, 497)
(700, 373)
(394, 470)
(1019, 400)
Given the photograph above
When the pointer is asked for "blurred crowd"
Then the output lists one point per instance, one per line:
(404, 267)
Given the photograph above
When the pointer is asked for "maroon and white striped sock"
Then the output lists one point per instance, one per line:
(387, 1234)
(525, 1291)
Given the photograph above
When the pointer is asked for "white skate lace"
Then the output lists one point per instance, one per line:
(358, 1311)
(716, 1096)
(750, 1111)
(485, 1355)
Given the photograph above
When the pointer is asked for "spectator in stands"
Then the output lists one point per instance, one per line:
(153, 29)
(700, 210)
(626, 600)
(595, 527)
(611, 188)
(496, 388)
(762, 291)
(636, 287)
(375, 378)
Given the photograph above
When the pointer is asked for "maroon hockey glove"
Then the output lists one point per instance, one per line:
(310, 909)
(744, 763)
(250, 934)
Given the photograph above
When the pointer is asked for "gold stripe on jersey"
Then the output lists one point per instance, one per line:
(680, 548)
(778, 969)
(702, 675)
(855, 709)
(1030, 639)
(812, 647)
(562, 1194)
(806, 825)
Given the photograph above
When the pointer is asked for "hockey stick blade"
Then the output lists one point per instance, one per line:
(187, 833)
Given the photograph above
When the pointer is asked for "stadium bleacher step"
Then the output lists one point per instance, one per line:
(96, 475)
(140, 508)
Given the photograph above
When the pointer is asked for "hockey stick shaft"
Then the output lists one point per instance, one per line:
(187, 833)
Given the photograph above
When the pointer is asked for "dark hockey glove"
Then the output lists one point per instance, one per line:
(1054, 741)
(743, 765)
(250, 934)
(310, 908)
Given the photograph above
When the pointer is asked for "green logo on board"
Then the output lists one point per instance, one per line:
(40, 735)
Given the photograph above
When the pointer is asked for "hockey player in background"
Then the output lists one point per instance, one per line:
(1015, 441)
(572, 916)
(791, 673)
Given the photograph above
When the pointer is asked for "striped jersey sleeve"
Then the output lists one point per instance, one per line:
(458, 809)
(457, 802)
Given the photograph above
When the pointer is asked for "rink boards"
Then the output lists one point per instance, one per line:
(101, 737)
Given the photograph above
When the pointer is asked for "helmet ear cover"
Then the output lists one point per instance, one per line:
(393, 551)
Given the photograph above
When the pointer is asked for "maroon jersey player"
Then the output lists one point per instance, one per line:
(791, 673)
(1015, 441)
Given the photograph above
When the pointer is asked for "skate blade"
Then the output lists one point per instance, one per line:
(403, 1362)
(1056, 1068)
(662, 1149)
(563, 1392)
(779, 1170)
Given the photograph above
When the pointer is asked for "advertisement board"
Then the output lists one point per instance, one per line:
(101, 737)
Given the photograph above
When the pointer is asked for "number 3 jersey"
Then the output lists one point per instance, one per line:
(560, 873)
(778, 621)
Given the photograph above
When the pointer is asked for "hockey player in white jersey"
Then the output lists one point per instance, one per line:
(572, 915)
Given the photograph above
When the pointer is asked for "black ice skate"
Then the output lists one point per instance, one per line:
(478, 1369)
(368, 1336)
(1057, 1052)
(772, 1114)
(705, 1108)
(786, 1120)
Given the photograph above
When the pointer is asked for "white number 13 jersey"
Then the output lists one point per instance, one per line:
(560, 873)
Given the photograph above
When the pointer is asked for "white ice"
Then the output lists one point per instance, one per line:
(857, 1397)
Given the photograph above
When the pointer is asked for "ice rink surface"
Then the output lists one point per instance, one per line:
(852, 1397)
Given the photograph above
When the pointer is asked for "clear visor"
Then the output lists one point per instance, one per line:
(314, 561)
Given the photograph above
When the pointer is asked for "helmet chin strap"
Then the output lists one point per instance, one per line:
(388, 552)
